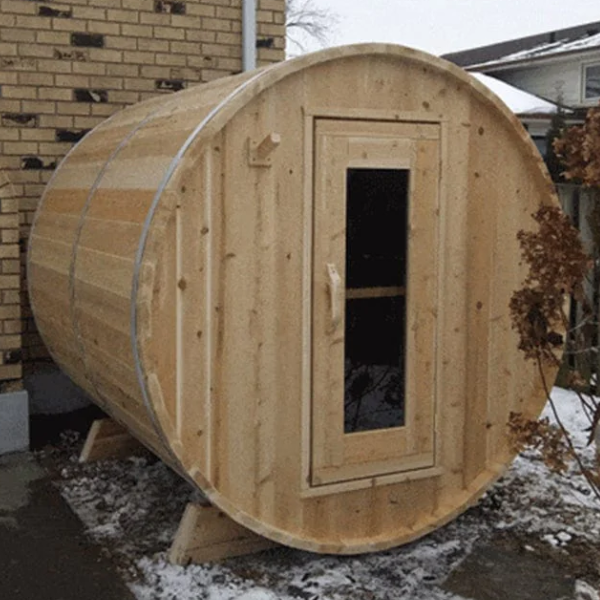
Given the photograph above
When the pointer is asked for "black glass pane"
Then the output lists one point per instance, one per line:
(592, 82)
(376, 222)
(374, 364)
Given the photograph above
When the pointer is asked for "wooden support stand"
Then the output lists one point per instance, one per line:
(205, 534)
(107, 439)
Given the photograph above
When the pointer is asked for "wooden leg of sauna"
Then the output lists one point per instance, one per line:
(107, 439)
(207, 534)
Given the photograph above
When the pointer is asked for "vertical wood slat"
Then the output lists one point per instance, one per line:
(480, 237)
(422, 306)
(328, 350)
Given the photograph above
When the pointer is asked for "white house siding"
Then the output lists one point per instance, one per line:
(557, 81)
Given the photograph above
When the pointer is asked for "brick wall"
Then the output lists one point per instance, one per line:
(66, 66)
(10, 283)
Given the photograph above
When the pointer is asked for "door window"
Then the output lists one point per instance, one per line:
(375, 319)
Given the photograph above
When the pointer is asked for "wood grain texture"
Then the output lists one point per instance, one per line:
(185, 289)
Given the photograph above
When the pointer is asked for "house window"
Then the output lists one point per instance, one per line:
(591, 77)
(541, 143)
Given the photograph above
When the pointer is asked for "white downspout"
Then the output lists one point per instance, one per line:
(249, 35)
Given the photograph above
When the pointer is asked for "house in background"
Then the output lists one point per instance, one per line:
(562, 67)
(534, 112)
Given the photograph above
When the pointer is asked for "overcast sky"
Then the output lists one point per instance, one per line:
(440, 26)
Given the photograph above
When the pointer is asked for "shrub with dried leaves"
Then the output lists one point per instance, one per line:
(558, 266)
(579, 150)
(543, 436)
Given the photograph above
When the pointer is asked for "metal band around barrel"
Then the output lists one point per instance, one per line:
(39, 211)
(78, 232)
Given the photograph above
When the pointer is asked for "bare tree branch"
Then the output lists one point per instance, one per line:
(305, 21)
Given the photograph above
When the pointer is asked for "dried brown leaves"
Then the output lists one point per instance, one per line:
(579, 150)
(543, 436)
(558, 265)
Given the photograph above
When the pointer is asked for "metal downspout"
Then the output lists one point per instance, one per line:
(249, 35)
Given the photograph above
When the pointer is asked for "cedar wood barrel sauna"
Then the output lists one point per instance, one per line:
(293, 286)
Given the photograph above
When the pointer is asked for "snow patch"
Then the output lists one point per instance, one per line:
(519, 102)
(257, 594)
(133, 507)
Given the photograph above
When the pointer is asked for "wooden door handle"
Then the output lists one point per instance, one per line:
(335, 288)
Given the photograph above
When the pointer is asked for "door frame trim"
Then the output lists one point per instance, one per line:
(311, 114)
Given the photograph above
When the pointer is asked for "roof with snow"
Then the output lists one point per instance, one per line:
(521, 103)
(548, 49)
(580, 38)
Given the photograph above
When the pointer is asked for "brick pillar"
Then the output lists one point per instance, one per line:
(10, 283)
(14, 410)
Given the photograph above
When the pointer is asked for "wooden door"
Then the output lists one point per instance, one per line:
(374, 298)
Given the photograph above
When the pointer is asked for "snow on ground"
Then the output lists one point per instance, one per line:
(132, 509)
(558, 508)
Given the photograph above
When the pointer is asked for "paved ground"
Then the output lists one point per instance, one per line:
(50, 558)
(45, 555)
(43, 551)
(494, 572)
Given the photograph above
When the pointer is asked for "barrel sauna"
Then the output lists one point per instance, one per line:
(293, 286)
